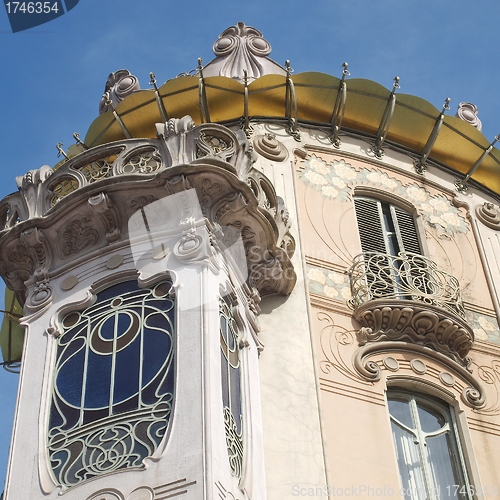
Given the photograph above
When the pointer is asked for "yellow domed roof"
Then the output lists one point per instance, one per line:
(221, 99)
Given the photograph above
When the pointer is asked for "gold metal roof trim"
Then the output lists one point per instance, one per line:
(458, 145)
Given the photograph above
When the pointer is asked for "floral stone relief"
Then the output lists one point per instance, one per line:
(336, 179)
(328, 283)
(485, 327)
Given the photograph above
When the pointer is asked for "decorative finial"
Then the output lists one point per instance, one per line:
(239, 48)
(61, 151)
(468, 113)
(118, 86)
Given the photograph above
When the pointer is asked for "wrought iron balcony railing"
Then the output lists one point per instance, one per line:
(406, 276)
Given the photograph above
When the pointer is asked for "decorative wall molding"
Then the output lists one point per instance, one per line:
(489, 215)
(421, 324)
(101, 205)
(269, 147)
(162, 492)
(225, 494)
(31, 183)
(473, 394)
(366, 364)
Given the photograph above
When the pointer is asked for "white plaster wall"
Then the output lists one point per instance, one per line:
(293, 444)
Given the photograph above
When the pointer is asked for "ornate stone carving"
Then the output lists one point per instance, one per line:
(24, 263)
(366, 364)
(102, 206)
(419, 324)
(490, 375)
(78, 235)
(118, 86)
(145, 162)
(9, 214)
(241, 48)
(214, 143)
(141, 202)
(213, 160)
(269, 147)
(489, 215)
(192, 246)
(107, 495)
(163, 491)
(270, 274)
(40, 291)
(468, 113)
(30, 185)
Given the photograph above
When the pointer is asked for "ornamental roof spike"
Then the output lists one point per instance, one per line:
(242, 48)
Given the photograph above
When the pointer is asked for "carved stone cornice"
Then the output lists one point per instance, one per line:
(421, 324)
(84, 206)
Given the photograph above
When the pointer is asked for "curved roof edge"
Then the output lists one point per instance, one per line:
(311, 98)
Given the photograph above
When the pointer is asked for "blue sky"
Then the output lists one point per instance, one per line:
(52, 76)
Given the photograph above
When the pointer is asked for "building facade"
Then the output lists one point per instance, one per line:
(244, 284)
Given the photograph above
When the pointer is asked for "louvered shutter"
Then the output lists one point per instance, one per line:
(406, 230)
(371, 232)
(373, 244)
(415, 268)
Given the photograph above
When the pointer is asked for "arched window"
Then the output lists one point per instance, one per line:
(113, 386)
(428, 450)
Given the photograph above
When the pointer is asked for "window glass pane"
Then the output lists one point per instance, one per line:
(401, 410)
(430, 420)
(440, 455)
(410, 466)
(113, 384)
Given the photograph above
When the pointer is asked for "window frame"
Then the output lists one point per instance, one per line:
(392, 202)
(170, 363)
(459, 443)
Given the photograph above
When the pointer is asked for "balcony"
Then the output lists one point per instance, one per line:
(406, 297)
